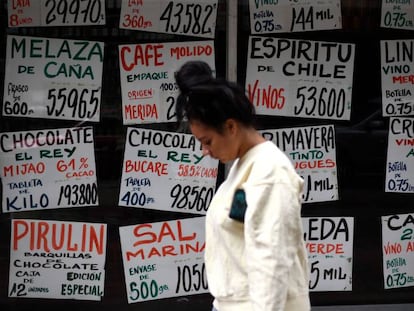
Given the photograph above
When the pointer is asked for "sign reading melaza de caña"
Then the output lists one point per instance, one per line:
(53, 78)
(147, 73)
(57, 259)
(166, 171)
(313, 154)
(48, 169)
(329, 243)
(398, 250)
(164, 259)
(26, 13)
(300, 78)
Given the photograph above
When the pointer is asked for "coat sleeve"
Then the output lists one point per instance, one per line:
(270, 235)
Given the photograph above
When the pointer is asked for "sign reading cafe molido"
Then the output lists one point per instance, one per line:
(57, 259)
(147, 72)
(48, 169)
(53, 78)
(300, 78)
(164, 259)
(166, 171)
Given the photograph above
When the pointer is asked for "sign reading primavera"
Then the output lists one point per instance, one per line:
(53, 78)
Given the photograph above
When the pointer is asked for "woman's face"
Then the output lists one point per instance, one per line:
(220, 146)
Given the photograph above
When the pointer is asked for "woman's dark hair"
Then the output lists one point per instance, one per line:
(209, 100)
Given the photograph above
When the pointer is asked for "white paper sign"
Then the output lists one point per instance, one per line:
(164, 259)
(53, 78)
(293, 16)
(400, 156)
(397, 77)
(300, 78)
(313, 153)
(57, 260)
(329, 242)
(398, 250)
(48, 169)
(26, 13)
(181, 17)
(166, 171)
(147, 73)
(398, 14)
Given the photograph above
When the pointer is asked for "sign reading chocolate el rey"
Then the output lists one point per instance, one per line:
(57, 259)
(53, 78)
(166, 171)
(48, 169)
(300, 78)
(147, 72)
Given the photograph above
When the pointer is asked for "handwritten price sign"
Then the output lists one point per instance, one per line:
(397, 14)
(172, 162)
(183, 17)
(397, 74)
(300, 78)
(25, 13)
(398, 250)
(313, 157)
(147, 72)
(400, 156)
(293, 16)
(48, 169)
(164, 259)
(53, 78)
(329, 242)
(56, 259)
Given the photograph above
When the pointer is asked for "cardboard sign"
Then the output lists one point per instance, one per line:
(397, 77)
(26, 13)
(164, 259)
(293, 16)
(313, 154)
(398, 250)
(180, 17)
(57, 259)
(300, 78)
(329, 242)
(166, 171)
(147, 73)
(53, 78)
(48, 169)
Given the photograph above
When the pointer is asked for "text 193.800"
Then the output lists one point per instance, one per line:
(83, 194)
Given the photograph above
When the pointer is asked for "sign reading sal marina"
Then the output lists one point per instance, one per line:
(148, 86)
(397, 77)
(57, 260)
(166, 171)
(164, 259)
(180, 17)
(398, 250)
(26, 13)
(398, 14)
(400, 156)
(53, 78)
(300, 78)
(329, 243)
(292, 16)
(48, 169)
(313, 154)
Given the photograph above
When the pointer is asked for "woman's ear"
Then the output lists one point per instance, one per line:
(231, 125)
